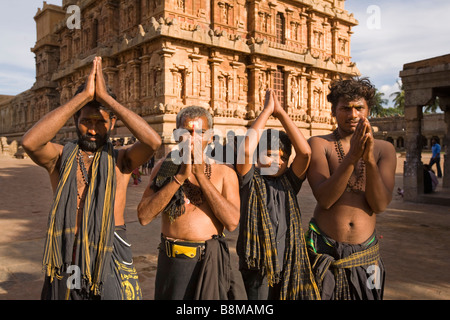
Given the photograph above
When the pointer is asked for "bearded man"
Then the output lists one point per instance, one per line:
(87, 254)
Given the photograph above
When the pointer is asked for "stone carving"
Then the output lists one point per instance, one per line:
(224, 60)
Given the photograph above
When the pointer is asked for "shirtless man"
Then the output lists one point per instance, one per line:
(197, 201)
(97, 171)
(352, 176)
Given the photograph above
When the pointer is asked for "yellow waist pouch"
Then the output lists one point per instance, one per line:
(189, 252)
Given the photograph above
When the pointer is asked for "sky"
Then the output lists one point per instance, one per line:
(390, 33)
(17, 37)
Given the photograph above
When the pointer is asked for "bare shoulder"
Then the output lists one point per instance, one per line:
(51, 161)
(384, 148)
(59, 149)
(224, 170)
(321, 140)
(384, 144)
(121, 157)
(321, 144)
(50, 158)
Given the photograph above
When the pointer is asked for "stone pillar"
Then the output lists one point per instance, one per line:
(195, 58)
(112, 80)
(165, 96)
(145, 76)
(413, 167)
(136, 87)
(214, 61)
(253, 90)
(445, 143)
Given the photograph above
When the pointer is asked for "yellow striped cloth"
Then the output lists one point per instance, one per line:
(298, 281)
(324, 262)
(95, 235)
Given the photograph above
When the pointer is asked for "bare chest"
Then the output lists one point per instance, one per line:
(83, 178)
(357, 180)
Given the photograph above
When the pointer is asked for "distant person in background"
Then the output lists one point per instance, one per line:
(430, 181)
(436, 156)
(136, 175)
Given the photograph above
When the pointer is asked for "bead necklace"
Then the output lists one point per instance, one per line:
(85, 175)
(194, 193)
(358, 186)
(83, 168)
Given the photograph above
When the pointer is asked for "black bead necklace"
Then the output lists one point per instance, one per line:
(83, 168)
(358, 186)
(193, 193)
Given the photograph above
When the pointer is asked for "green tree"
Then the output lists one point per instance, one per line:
(389, 112)
(378, 109)
(399, 102)
(433, 107)
(399, 98)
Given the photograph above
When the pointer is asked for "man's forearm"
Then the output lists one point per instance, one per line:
(377, 194)
(47, 128)
(43, 131)
(301, 146)
(225, 211)
(135, 123)
(250, 142)
(299, 142)
(253, 136)
(151, 205)
(330, 191)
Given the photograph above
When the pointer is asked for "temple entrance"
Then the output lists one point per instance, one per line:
(424, 81)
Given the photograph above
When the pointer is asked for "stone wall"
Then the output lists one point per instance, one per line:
(393, 129)
(160, 56)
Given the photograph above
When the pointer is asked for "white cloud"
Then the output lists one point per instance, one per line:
(389, 89)
(409, 31)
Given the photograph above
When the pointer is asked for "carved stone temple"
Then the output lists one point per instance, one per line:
(160, 56)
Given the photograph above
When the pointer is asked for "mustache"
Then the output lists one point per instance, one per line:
(89, 136)
(88, 145)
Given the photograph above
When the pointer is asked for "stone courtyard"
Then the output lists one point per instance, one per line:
(413, 237)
